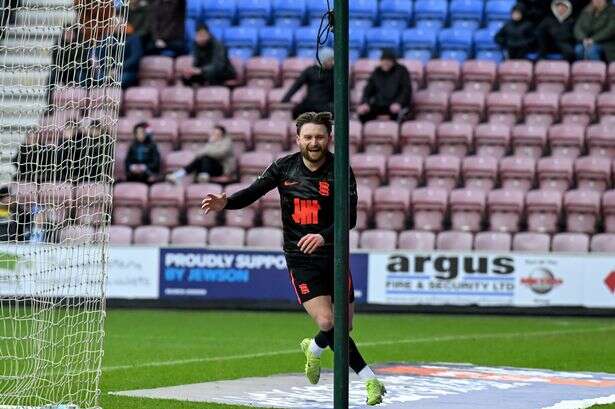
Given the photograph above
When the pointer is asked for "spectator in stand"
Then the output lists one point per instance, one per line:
(211, 63)
(25, 160)
(534, 11)
(388, 91)
(143, 158)
(215, 159)
(133, 51)
(99, 151)
(167, 21)
(319, 82)
(555, 33)
(516, 37)
(595, 31)
(72, 159)
(139, 18)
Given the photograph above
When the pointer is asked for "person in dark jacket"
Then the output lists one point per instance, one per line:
(143, 159)
(388, 90)
(139, 17)
(211, 63)
(595, 31)
(534, 11)
(319, 82)
(516, 37)
(555, 33)
(167, 20)
(133, 52)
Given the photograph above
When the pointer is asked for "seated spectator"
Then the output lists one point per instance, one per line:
(167, 20)
(99, 151)
(517, 35)
(388, 90)
(72, 162)
(133, 51)
(319, 82)
(143, 158)
(534, 11)
(215, 159)
(139, 18)
(595, 31)
(555, 32)
(25, 160)
(211, 63)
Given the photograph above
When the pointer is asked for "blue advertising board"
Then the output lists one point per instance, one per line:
(237, 275)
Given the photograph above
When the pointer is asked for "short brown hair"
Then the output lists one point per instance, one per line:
(318, 118)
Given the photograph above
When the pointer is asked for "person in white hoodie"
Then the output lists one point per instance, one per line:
(555, 34)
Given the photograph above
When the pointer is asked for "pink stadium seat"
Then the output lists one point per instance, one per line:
(391, 205)
(608, 211)
(566, 140)
(24, 193)
(181, 65)
(369, 169)
(467, 209)
(165, 131)
(417, 138)
(555, 173)
(240, 70)
(532, 242)
(515, 76)
(570, 243)
(119, 169)
(105, 98)
(156, 70)
(355, 135)
(225, 236)
(606, 106)
(167, 203)
(252, 164)
(130, 202)
(364, 206)
(249, 102)
(245, 217)
(212, 102)
(78, 234)
(353, 240)
(293, 67)
(176, 102)
(551, 76)
(454, 138)
(195, 193)
(503, 107)
(577, 108)
(378, 239)
(125, 127)
(141, 101)
(604, 243)
(363, 68)
(281, 110)
(593, 173)
(120, 235)
(262, 72)
(480, 172)
(152, 235)
(601, 140)
(442, 75)
(270, 135)
(430, 106)
(529, 140)
(492, 241)
(588, 76)
(193, 236)
(540, 108)
(417, 73)
(467, 107)
(505, 208)
(611, 75)
(70, 97)
(517, 172)
(543, 210)
(404, 170)
(428, 208)
(240, 130)
(492, 140)
(91, 201)
(380, 137)
(194, 132)
(582, 210)
(272, 212)
(57, 199)
(176, 160)
(478, 75)
(454, 241)
(264, 237)
(442, 171)
(417, 240)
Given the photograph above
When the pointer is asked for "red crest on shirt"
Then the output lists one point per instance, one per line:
(323, 188)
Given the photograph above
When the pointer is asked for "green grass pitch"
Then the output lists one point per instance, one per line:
(154, 348)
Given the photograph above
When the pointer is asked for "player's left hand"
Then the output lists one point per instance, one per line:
(310, 242)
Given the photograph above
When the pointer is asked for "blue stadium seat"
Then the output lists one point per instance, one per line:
(356, 43)
(485, 46)
(431, 13)
(190, 30)
(363, 13)
(498, 10)
(219, 12)
(495, 25)
(254, 13)
(275, 42)
(315, 10)
(288, 13)
(419, 43)
(455, 43)
(466, 13)
(193, 9)
(378, 38)
(395, 13)
(241, 41)
(305, 41)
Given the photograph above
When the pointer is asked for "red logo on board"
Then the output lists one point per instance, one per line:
(610, 281)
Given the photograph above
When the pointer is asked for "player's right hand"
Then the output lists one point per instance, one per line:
(214, 203)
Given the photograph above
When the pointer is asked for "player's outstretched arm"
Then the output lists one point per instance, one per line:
(214, 203)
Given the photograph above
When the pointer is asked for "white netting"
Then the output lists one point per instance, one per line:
(60, 74)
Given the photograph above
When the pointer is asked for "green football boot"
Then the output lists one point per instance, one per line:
(312, 362)
(375, 391)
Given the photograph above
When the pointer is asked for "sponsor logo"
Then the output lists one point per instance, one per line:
(288, 183)
(450, 267)
(541, 281)
(609, 281)
(323, 188)
(306, 211)
(304, 289)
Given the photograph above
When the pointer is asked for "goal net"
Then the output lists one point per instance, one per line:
(60, 70)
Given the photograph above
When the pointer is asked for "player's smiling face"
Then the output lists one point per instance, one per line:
(313, 142)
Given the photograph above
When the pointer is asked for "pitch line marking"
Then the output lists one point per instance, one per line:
(582, 404)
(361, 344)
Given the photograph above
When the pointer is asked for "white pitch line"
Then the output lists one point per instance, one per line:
(361, 344)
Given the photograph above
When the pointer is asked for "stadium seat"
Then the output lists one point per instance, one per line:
(492, 140)
(603, 243)
(369, 169)
(362, 69)
(293, 67)
(608, 211)
(503, 107)
(431, 106)
(417, 240)
(543, 210)
(442, 171)
(601, 140)
(275, 41)
(57, 198)
(194, 132)
(582, 210)
(288, 13)
(570, 243)
(253, 13)
(404, 170)
(119, 168)
(240, 130)
(177, 160)
(454, 241)
(428, 208)
(588, 76)
(355, 135)
(566, 140)
(167, 204)
(77, 235)
(606, 107)
(195, 193)
(479, 172)
(478, 75)
(245, 217)
(455, 43)
(382, 37)
(395, 14)
(152, 235)
(467, 209)
(593, 173)
(239, 66)
(611, 75)
(498, 10)
(378, 239)
(529, 140)
(271, 210)
(442, 75)
(431, 13)
(353, 240)
(212, 102)
(305, 37)
(454, 138)
(540, 108)
(415, 69)
(129, 202)
(532, 242)
(264, 237)
(391, 205)
(270, 135)
(218, 12)
(67, 97)
(120, 235)
(417, 138)
(249, 102)
(141, 101)
(225, 236)
(485, 47)
(517, 172)
(281, 110)
(105, 98)
(193, 236)
(505, 208)
(155, 71)
(181, 65)
(176, 102)
(166, 133)
(515, 76)
(419, 43)
(363, 13)
(356, 43)
(241, 42)
(551, 76)
(380, 137)
(555, 173)
(467, 107)
(466, 13)
(91, 201)
(252, 164)
(577, 108)
(364, 206)
(492, 241)
(262, 72)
